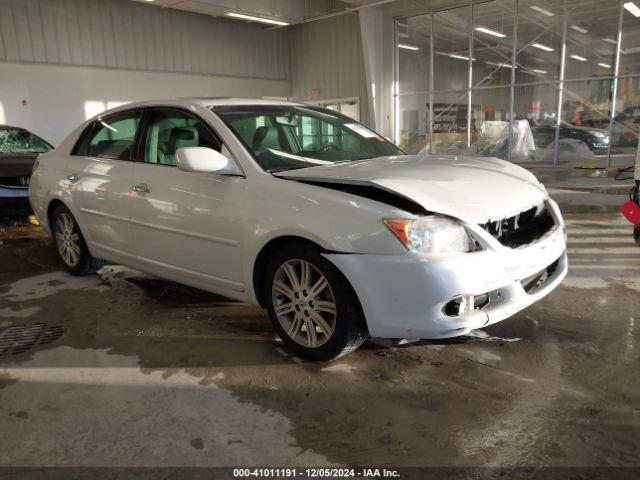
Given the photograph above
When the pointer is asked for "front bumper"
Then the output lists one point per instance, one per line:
(14, 201)
(403, 296)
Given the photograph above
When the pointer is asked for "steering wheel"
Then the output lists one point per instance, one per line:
(329, 148)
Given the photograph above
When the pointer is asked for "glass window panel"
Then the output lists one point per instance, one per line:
(540, 25)
(413, 111)
(493, 42)
(630, 53)
(451, 46)
(450, 122)
(592, 31)
(626, 123)
(490, 122)
(413, 82)
(413, 53)
(537, 105)
(585, 118)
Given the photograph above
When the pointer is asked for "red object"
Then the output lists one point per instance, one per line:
(631, 212)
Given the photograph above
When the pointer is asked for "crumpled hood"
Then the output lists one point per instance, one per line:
(473, 189)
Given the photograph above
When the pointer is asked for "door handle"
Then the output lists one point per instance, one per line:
(141, 188)
(73, 178)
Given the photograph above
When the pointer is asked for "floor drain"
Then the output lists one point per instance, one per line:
(22, 338)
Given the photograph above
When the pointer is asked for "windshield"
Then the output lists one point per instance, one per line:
(19, 140)
(290, 137)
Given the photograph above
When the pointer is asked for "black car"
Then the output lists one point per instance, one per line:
(19, 149)
(544, 134)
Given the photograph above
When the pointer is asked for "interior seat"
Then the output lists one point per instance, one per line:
(265, 138)
(180, 137)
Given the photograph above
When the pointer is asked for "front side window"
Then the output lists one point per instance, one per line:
(112, 137)
(290, 137)
(18, 140)
(168, 130)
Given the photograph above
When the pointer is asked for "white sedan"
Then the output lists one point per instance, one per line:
(334, 230)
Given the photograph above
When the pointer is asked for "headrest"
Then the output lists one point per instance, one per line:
(266, 137)
(181, 137)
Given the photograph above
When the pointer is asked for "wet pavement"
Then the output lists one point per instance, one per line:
(124, 370)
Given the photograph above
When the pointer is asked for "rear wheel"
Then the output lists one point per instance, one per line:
(312, 305)
(72, 249)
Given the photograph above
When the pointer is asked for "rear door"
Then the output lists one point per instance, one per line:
(100, 179)
(186, 226)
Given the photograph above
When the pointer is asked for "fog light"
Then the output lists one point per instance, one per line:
(481, 301)
(458, 306)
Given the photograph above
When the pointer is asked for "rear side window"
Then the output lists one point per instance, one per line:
(112, 137)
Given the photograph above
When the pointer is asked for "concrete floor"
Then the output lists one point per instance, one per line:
(154, 374)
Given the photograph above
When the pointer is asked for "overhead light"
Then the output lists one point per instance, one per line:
(543, 72)
(632, 8)
(631, 50)
(408, 47)
(578, 57)
(459, 57)
(503, 65)
(488, 31)
(579, 29)
(610, 40)
(604, 65)
(542, 11)
(542, 47)
(251, 18)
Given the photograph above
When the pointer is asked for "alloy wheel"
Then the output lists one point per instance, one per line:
(304, 303)
(67, 240)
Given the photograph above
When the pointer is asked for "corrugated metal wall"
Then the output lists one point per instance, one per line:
(327, 55)
(128, 35)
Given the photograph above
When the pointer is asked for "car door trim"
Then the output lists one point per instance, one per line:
(229, 284)
(202, 236)
(211, 238)
(223, 282)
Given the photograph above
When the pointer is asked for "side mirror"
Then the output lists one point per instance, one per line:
(205, 160)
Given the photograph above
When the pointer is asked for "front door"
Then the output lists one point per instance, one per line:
(186, 226)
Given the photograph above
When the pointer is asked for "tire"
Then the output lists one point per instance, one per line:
(636, 233)
(70, 244)
(324, 306)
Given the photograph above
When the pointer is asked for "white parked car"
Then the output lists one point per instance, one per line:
(305, 212)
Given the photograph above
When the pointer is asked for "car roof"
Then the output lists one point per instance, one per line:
(225, 101)
(190, 102)
(204, 101)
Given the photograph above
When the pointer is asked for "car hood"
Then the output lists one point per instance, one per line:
(16, 164)
(473, 189)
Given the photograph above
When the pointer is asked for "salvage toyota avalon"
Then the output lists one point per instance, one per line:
(334, 230)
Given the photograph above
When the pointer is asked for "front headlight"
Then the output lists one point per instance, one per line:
(597, 134)
(432, 234)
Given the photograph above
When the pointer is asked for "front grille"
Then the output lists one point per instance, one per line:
(522, 229)
(14, 182)
(538, 280)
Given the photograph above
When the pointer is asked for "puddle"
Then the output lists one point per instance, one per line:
(47, 284)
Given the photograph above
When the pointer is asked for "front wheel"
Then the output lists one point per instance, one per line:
(72, 249)
(636, 233)
(312, 305)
